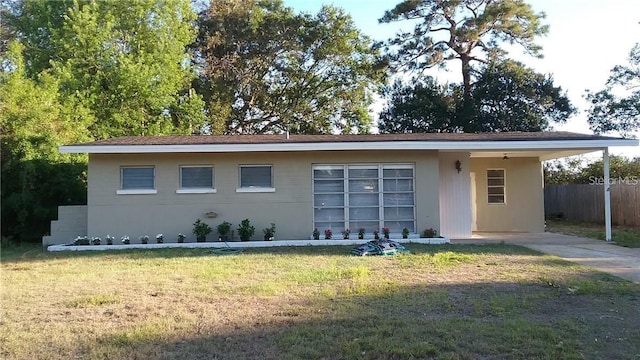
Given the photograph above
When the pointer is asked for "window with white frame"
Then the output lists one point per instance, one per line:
(256, 178)
(495, 186)
(196, 178)
(369, 196)
(137, 179)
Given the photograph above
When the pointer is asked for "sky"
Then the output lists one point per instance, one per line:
(586, 39)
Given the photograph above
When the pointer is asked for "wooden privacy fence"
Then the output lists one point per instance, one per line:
(585, 202)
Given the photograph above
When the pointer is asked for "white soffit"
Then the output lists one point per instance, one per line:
(584, 145)
(540, 154)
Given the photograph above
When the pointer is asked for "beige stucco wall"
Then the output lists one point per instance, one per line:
(524, 208)
(289, 207)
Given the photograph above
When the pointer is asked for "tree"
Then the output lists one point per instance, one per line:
(78, 70)
(424, 106)
(37, 24)
(617, 106)
(564, 171)
(620, 168)
(511, 97)
(36, 178)
(122, 63)
(507, 97)
(577, 171)
(459, 29)
(268, 70)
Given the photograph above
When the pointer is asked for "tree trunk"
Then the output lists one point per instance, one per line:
(468, 115)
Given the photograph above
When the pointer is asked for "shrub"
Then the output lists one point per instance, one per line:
(201, 229)
(269, 232)
(429, 233)
(246, 230)
(82, 240)
(224, 228)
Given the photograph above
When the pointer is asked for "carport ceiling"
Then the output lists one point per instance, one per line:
(543, 155)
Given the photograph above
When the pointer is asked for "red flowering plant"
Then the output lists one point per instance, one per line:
(429, 233)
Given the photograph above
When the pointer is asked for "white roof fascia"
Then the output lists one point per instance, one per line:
(352, 145)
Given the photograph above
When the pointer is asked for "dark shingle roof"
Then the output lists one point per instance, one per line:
(276, 139)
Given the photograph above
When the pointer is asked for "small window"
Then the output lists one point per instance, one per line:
(137, 180)
(133, 178)
(256, 178)
(196, 177)
(495, 186)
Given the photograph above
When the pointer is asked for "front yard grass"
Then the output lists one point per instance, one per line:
(443, 302)
(623, 235)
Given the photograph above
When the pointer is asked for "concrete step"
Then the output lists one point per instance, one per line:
(71, 222)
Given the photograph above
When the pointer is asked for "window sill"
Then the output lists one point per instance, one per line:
(136, 192)
(196, 191)
(256, 190)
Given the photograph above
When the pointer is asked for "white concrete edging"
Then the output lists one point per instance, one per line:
(242, 244)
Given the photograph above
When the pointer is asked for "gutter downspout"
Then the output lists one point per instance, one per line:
(607, 196)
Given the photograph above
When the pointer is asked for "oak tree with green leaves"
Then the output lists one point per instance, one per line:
(36, 178)
(420, 106)
(124, 63)
(266, 69)
(467, 30)
(78, 70)
(507, 96)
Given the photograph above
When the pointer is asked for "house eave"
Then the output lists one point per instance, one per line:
(346, 146)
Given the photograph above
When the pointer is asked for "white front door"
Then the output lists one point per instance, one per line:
(455, 197)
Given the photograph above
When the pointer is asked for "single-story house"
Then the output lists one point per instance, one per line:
(455, 183)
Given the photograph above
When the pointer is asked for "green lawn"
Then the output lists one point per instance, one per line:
(623, 235)
(443, 302)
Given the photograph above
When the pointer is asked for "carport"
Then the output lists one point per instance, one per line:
(550, 149)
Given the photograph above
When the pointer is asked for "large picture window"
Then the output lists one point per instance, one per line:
(369, 196)
(495, 186)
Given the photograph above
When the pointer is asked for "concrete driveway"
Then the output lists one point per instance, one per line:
(613, 259)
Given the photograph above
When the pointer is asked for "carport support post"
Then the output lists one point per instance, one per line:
(607, 196)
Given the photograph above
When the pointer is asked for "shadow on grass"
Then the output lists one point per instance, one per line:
(26, 253)
(454, 321)
(403, 309)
